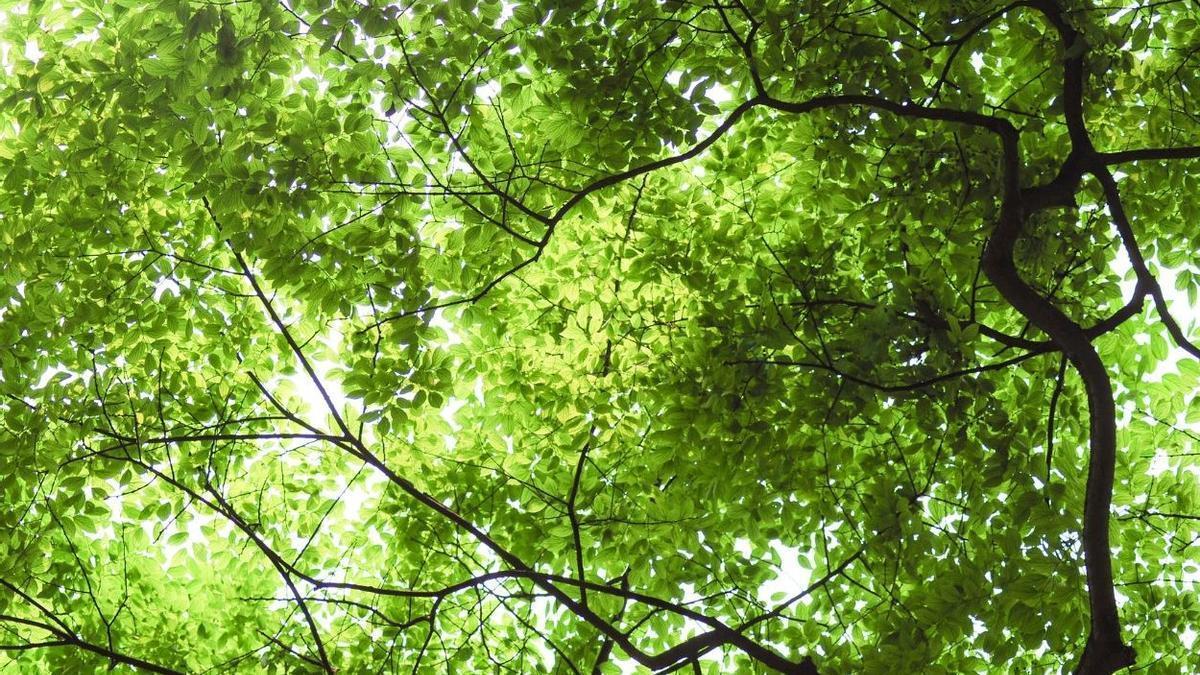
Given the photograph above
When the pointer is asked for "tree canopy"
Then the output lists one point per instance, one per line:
(627, 336)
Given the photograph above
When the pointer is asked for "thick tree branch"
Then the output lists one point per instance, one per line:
(1105, 651)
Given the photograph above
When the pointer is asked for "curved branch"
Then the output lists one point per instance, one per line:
(65, 637)
(720, 633)
(904, 386)
(1105, 651)
(1112, 196)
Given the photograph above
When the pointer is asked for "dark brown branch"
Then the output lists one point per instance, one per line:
(1116, 208)
(719, 634)
(1059, 381)
(297, 352)
(1105, 651)
(65, 637)
(1149, 154)
(895, 388)
(573, 514)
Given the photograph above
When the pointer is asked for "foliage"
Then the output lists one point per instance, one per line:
(472, 336)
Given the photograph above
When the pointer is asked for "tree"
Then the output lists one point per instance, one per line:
(594, 337)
